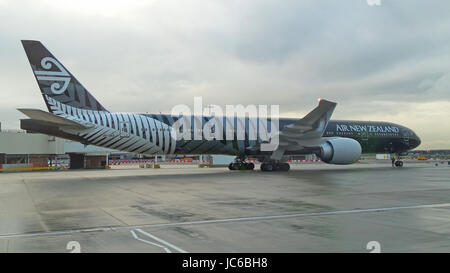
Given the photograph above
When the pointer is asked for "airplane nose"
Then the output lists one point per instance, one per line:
(415, 141)
(418, 140)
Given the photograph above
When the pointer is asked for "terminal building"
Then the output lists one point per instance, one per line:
(20, 149)
(25, 150)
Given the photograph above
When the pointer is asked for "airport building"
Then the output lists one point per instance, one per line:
(22, 150)
(18, 149)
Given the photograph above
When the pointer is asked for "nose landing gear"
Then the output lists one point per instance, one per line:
(398, 163)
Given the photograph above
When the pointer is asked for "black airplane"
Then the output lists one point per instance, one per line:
(73, 113)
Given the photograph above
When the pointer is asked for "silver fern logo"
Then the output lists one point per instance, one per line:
(58, 77)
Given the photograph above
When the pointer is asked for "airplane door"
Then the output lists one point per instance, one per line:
(125, 128)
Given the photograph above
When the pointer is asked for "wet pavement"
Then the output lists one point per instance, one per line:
(312, 208)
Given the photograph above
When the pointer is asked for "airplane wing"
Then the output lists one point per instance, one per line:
(306, 132)
(40, 115)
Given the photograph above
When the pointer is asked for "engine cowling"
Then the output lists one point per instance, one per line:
(340, 151)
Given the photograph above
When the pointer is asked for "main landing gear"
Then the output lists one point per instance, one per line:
(267, 166)
(275, 166)
(240, 164)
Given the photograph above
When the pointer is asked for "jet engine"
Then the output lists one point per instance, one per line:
(340, 151)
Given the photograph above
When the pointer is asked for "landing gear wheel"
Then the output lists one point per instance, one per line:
(284, 167)
(271, 167)
(263, 167)
(240, 165)
(266, 167)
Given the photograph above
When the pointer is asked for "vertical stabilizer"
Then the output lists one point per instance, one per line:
(55, 81)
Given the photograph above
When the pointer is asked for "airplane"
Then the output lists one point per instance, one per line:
(74, 114)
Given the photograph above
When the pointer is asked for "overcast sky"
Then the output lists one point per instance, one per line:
(389, 62)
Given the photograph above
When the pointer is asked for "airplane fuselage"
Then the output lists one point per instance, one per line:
(153, 134)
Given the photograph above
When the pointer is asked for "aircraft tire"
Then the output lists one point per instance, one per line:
(269, 167)
(284, 167)
(234, 166)
(264, 167)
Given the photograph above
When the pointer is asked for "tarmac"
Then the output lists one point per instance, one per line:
(363, 207)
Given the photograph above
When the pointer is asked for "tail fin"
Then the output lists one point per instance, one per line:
(55, 81)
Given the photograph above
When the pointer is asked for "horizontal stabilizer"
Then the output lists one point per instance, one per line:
(37, 114)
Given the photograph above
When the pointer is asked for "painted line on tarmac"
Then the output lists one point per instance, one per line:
(161, 241)
(227, 220)
(150, 243)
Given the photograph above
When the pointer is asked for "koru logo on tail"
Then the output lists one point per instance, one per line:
(58, 76)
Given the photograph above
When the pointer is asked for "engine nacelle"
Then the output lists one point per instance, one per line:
(340, 151)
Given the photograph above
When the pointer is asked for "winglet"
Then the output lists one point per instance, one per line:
(313, 124)
(324, 107)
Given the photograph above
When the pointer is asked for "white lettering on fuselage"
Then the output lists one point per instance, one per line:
(366, 128)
